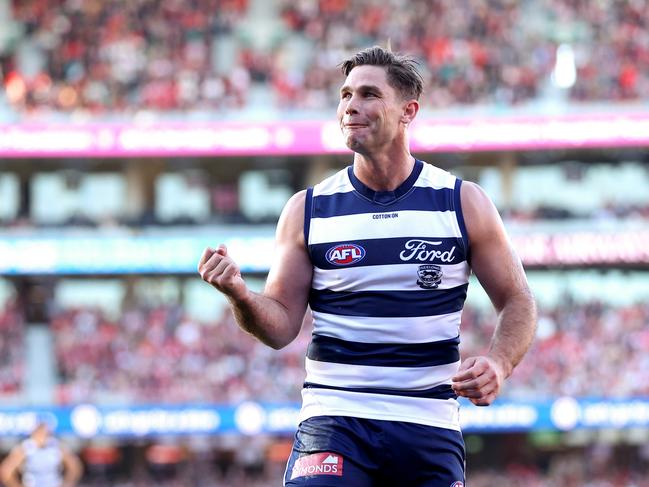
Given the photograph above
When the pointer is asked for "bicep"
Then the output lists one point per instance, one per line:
(289, 279)
(493, 259)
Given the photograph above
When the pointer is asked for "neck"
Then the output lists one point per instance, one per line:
(383, 173)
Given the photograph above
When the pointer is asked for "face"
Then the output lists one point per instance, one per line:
(370, 111)
(40, 434)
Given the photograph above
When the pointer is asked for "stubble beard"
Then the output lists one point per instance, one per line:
(354, 144)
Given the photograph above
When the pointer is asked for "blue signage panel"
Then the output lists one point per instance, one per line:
(129, 254)
(250, 418)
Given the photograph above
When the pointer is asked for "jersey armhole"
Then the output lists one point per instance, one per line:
(457, 203)
(308, 208)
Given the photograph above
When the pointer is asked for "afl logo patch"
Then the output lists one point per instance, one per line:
(457, 484)
(345, 254)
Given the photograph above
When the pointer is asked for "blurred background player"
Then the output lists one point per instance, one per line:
(41, 461)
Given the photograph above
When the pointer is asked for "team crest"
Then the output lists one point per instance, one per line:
(430, 276)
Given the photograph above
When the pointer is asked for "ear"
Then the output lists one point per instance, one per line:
(410, 110)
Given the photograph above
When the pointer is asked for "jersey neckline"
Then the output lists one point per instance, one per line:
(385, 197)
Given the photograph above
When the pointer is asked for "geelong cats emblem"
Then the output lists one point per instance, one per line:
(430, 276)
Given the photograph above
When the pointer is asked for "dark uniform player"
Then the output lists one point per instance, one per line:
(382, 252)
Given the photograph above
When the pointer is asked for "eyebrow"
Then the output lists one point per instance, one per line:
(361, 88)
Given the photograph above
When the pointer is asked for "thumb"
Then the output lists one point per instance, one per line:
(464, 366)
(222, 250)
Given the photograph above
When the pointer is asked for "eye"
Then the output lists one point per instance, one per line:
(345, 95)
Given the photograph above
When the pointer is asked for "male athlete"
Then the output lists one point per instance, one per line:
(382, 252)
(42, 461)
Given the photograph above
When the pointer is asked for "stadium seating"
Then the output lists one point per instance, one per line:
(161, 57)
(162, 356)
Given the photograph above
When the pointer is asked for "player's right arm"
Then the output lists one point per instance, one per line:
(274, 316)
(10, 467)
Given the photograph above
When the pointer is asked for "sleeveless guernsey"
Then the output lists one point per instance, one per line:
(390, 276)
(42, 466)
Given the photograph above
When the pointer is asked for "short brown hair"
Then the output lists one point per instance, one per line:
(402, 71)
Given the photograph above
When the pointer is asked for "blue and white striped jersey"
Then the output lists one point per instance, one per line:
(390, 276)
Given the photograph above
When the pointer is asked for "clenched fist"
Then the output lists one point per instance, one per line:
(479, 379)
(217, 268)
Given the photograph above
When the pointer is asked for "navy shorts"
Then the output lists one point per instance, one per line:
(332, 451)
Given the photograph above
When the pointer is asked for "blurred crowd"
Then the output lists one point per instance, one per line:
(159, 355)
(581, 350)
(489, 51)
(11, 349)
(100, 57)
(120, 56)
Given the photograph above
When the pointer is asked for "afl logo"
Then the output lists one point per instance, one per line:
(457, 484)
(345, 254)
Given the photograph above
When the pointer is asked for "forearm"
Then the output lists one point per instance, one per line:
(11, 480)
(266, 319)
(71, 479)
(515, 331)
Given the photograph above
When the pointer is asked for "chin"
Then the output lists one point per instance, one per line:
(354, 144)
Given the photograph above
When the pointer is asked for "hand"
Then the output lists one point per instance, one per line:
(217, 268)
(479, 379)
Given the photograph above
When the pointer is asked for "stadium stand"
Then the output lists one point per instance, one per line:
(168, 56)
(160, 355)
(579, 351)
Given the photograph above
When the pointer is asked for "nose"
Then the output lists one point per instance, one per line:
(350, 106)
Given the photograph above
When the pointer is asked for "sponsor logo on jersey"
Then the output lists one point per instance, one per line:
(384, 216)
(429, 276)
(345, 254)
(424, 251)
(325, 463)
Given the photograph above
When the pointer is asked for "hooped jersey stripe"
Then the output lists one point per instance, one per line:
(379, 329)
(351, 203)
(388, 303)
(328, 349)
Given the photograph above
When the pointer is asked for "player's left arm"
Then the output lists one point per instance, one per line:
(72, 468)
(501, 274)
(10, 467)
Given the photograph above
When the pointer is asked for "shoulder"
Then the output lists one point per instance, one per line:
(295, 205)
(290, 227)
(473, 196)
(480, 214)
